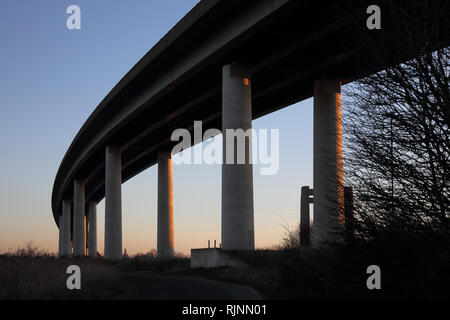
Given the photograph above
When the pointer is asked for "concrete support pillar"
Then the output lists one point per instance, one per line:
(113, 204)
(305, 225)
(64, 230)
(79, 235)
(66, 243)
(165, 245)
(328, 170)
(92, 229)
(237, 179)
(60, 237)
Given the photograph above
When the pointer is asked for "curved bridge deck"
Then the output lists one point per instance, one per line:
(286, 44)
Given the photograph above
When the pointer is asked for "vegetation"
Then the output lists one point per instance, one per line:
(151, 264)
(31, 273)
(396, 126)
(411, 268)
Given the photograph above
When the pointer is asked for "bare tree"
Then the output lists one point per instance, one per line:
(396, 129)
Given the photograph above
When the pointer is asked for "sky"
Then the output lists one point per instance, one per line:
(52, 79)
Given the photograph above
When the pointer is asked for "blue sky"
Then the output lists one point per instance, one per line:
(52, 78)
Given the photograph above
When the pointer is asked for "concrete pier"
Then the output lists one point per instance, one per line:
(79, 235)
(328, 174)
(66, 243)
(237, 179)
(64, 230)
(113, 204)
(60, 237)
(165, 244)
(92, 229)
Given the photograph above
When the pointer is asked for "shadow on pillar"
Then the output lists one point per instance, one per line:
(165, 236)
(305, 220)
(348, 214)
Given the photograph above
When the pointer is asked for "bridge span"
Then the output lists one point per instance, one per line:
(225, 63)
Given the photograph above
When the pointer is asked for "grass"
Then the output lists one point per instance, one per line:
(29, 273)
(151, 264)
(411, 268)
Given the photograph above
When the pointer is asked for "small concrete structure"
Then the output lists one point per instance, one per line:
(328, 170)
(214, 258)
(165, 238)
(79, 234)
(113, 204)
(92, 229)
(237, 179)
(305, 225)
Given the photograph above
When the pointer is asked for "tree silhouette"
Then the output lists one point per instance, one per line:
(396, 129)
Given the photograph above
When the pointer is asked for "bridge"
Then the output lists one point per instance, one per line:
(225, 63)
